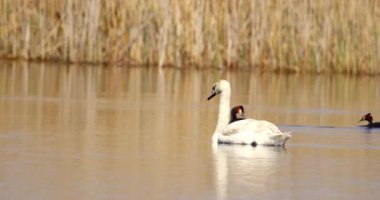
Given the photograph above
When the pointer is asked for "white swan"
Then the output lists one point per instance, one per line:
(247, 131)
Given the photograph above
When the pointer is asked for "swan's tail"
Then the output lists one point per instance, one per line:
(281, 139)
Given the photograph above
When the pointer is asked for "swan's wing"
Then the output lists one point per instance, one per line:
(251, 125)
(230, 131)
(235, 127)
(253, 131)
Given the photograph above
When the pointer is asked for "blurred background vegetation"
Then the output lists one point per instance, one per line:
(322, 36)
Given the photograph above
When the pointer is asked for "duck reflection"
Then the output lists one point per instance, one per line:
(240, 167)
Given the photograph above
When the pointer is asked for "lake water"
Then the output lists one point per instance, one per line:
(83, 132)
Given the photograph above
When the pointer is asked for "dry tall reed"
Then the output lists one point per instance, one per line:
(283, 35)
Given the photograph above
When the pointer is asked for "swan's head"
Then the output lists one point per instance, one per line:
(367, 117)
(218, 88)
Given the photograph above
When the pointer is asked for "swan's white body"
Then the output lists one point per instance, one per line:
(248, 131)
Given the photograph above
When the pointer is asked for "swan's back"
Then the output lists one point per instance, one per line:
(250, 131)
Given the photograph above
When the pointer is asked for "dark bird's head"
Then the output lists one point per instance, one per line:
(237, 113)
(367, 117)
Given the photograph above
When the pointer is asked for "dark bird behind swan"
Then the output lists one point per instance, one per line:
(237, 113)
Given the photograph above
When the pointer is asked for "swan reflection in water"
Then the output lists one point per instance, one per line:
(242, 168)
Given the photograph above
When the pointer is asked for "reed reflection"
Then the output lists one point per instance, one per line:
(283, 99)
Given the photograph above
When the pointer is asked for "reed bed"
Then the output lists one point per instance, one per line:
(280, 35)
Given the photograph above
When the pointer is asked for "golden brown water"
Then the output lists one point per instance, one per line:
(137, 133)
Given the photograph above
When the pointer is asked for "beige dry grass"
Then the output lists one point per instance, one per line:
(281, 35)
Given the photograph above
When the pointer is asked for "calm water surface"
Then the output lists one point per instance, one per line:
(137, 133)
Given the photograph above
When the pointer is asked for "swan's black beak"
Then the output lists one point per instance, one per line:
(213, 93)
(362, 119)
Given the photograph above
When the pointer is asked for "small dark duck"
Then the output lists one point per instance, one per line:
(368, 117)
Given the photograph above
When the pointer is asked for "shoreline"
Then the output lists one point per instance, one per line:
(187, 67)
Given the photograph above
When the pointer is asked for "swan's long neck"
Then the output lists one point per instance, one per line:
(223, 116)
